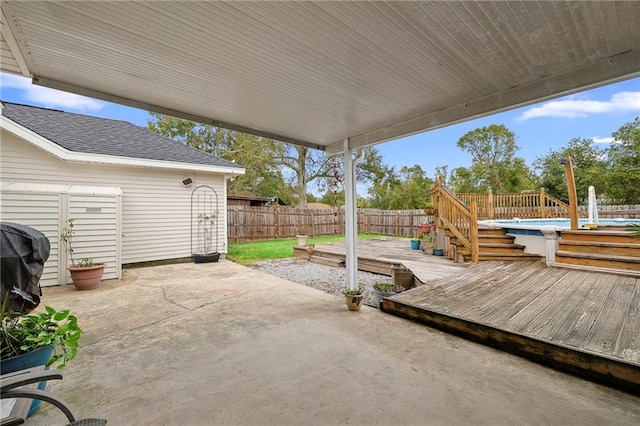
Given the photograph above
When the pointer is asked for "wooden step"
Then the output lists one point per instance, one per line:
(496, 239)
(618, 249)
(508, 257)
(599, 260)
(491, 231)
(500, 248)
(598, 235)
(330, 261)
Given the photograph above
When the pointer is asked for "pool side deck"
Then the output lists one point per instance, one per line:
(585, 323)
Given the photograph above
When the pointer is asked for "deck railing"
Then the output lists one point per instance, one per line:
(460, 219)
(521, 205)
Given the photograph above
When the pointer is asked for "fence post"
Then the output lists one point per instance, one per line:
(543, 207)
(277, 222)
(397, 223)
(313, 223)
(490, 209)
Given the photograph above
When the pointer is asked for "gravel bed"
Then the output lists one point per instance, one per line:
(330, 279)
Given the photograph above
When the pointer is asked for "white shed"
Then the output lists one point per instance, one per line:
(97, 213)
(121, 183)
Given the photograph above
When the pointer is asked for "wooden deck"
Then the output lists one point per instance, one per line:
(585, 323)
(381, 254)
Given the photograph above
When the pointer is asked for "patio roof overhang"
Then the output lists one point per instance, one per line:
(319, 73)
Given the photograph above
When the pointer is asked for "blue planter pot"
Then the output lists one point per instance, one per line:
(438, 252)
(29, 360)
(415, 244)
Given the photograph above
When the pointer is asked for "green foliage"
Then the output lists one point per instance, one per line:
(492, 149)
(623, 162)
(265, 159)
(85, 262)
(354, 292)
(23, 334)
(408, 189)
(66, 237)
(589, 169)
(385, 287)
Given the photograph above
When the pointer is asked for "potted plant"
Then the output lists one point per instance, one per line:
(381, 290)
(415, 240)
(206, 226)
(430, 209)
(85, 274)
(45, 338)
(426, 243)
(353, 297)
(438, 251)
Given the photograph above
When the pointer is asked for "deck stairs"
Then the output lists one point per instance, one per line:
(598, 250)
(494, 244)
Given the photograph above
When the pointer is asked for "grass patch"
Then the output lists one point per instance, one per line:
(247, 253)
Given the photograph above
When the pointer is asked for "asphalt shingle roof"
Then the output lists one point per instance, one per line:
(96, 135)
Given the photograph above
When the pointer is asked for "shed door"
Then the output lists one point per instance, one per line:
(97, 232)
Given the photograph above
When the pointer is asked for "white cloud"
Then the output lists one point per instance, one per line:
(49, 98)
(580, 108)
(597, 139)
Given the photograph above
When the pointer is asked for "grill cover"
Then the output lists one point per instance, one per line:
(24, 251)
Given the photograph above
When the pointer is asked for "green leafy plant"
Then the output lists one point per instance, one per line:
(353, 292)
(386, 287)
(66, 237)
(85, 262)
(635, 230)
(21, 334)
(207, 224)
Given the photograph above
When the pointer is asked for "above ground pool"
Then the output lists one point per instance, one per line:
(534, 226)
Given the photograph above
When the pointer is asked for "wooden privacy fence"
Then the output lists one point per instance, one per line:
(521, 205)
(270, 223)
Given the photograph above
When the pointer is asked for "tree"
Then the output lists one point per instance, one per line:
(492, 149)
(265, 159)
(262, 177)
(588, 166)
(410, 188)
(623, 161)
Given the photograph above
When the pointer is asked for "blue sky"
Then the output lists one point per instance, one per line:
(595, 114)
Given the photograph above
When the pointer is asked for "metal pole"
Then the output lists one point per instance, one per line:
(351, 258)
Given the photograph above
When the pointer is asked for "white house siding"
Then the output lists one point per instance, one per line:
(40, 211)
(155, 204)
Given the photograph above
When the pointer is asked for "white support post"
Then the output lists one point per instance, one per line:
(351, 258)
(551, 243)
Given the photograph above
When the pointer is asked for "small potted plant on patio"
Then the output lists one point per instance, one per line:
(438, 251)
(415, 240)
(353, 297)
(85, 274)
(426, 244)
(381, 290)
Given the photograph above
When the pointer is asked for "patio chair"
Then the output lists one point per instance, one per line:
(22, 385)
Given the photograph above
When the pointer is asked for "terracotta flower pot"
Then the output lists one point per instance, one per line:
(87, 277)
(354, 302)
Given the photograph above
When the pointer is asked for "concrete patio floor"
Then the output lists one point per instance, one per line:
(220, 343)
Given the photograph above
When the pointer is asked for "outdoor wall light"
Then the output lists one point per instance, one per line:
(187, 181)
